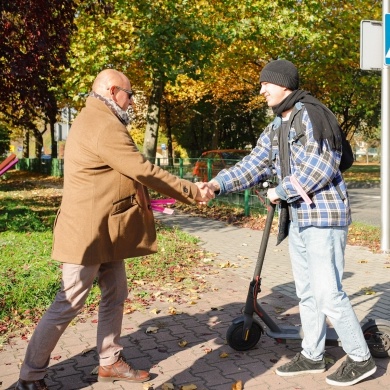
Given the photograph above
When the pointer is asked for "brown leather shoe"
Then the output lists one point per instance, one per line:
(31, 385)
(121, 371)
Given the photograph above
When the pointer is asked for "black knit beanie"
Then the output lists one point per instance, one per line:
(281, 72)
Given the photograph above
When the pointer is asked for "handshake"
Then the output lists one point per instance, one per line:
(206, 191)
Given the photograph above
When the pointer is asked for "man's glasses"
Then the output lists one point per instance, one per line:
(129, 92)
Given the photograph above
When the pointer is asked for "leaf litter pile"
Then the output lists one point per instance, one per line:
(358, 234)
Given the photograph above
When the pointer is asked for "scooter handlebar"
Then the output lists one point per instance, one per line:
(262, 192)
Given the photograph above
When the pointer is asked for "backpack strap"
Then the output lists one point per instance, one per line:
(296, 122)
(274, 126)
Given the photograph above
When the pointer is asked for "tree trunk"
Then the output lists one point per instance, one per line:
(153, 119)
(169, 134)
(215, 138)
(38, 143)
(54, 147)
(26, 144)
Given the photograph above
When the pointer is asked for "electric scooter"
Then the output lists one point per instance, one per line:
(245, 332)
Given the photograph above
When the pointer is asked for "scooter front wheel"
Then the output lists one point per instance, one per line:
(235, 339)
(377, 335)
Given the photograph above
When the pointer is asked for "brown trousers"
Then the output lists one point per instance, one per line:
(77, 281)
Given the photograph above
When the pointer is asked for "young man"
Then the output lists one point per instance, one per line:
(317, 227)
(104, 218)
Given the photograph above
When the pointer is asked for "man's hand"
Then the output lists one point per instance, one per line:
(273, 196)
(214, 186)
(204, 194)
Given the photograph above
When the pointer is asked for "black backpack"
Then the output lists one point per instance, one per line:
(347, 157)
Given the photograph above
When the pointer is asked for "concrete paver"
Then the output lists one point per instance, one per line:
(207, 361)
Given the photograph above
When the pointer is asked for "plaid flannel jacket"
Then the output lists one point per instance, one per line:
(315, 166)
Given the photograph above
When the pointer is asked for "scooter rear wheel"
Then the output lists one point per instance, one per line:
(235, 339)
(377, 335)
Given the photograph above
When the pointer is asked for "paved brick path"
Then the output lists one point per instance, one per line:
(203, 325)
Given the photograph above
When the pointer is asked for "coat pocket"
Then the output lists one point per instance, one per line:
(122, 205)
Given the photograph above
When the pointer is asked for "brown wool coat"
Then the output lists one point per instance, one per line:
(105, 214)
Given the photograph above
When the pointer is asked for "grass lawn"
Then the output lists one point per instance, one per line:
(29, 279)
(367, 173)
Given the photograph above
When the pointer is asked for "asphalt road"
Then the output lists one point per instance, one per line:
(366, 205)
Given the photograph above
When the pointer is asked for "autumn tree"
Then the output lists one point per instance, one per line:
(33, 50)
(201, 119)
(224, 45)
(331, 63)
(172, 38)
(152, 42)
(4, 139)
(321, 38)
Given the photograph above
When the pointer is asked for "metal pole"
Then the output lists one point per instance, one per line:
(385, 141)
(247, 209)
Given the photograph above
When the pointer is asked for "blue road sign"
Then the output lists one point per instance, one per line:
(387, 39)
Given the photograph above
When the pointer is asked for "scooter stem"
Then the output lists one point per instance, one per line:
(264, 240)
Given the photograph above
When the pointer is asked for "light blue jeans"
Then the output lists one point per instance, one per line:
(317, 258)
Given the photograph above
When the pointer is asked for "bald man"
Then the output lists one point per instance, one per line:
(104, 218)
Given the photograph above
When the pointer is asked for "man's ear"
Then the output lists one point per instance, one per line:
(112, 93)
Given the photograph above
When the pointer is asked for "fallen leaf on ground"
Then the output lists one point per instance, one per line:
(368, 291)
(237, 385)
(228, 265)
(167, 386)
(85, 351)
(129, 310)
(173, 311)
(182, 343)
(152, 329)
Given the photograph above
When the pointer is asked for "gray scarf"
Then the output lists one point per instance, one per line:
(121, 114)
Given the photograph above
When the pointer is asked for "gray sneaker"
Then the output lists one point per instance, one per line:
(351, 372)
(301, 365)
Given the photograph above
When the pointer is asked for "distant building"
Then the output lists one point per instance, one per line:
(362, 149)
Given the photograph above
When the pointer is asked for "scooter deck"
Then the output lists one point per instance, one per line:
(295, 333)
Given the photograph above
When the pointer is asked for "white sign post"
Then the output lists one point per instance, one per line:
(375, 55)
(385, 132)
